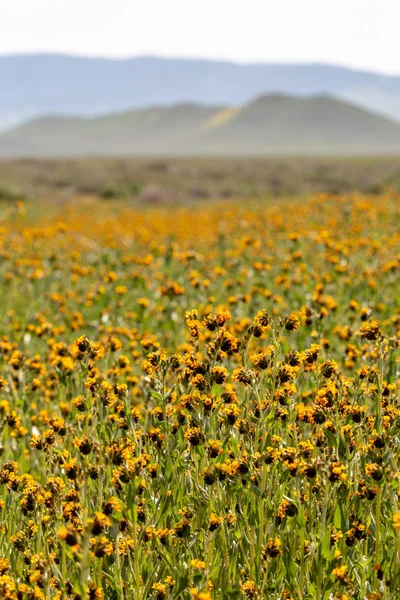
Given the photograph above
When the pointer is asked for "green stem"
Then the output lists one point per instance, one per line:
(378, 527)
(318, 594)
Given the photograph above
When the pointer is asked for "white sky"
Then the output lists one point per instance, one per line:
(358, 33)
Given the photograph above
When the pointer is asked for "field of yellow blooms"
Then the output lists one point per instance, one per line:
(201, 403)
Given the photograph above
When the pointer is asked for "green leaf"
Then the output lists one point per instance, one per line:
(326, 545)
(332, 439)
(301, 520)
(337, 521)
(289, 563)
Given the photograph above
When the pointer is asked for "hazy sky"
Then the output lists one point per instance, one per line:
(359, 33)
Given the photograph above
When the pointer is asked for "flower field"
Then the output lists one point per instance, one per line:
(201, 403)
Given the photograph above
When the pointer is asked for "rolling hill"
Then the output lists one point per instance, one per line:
(37, 85)
(270, 124)
(320, 124)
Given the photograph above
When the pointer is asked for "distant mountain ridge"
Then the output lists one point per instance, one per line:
(42, 84)
(269, 124)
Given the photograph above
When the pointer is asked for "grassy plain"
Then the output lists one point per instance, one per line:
(182, 180)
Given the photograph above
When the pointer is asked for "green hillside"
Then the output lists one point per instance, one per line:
(277, 123)
(271, 124)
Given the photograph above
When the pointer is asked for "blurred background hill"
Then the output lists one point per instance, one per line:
(156, 128)
(271, 124)
(40, 84)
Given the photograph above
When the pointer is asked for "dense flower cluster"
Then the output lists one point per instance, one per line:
(201, 406)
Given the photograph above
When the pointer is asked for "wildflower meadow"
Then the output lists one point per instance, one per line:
(201, 402)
